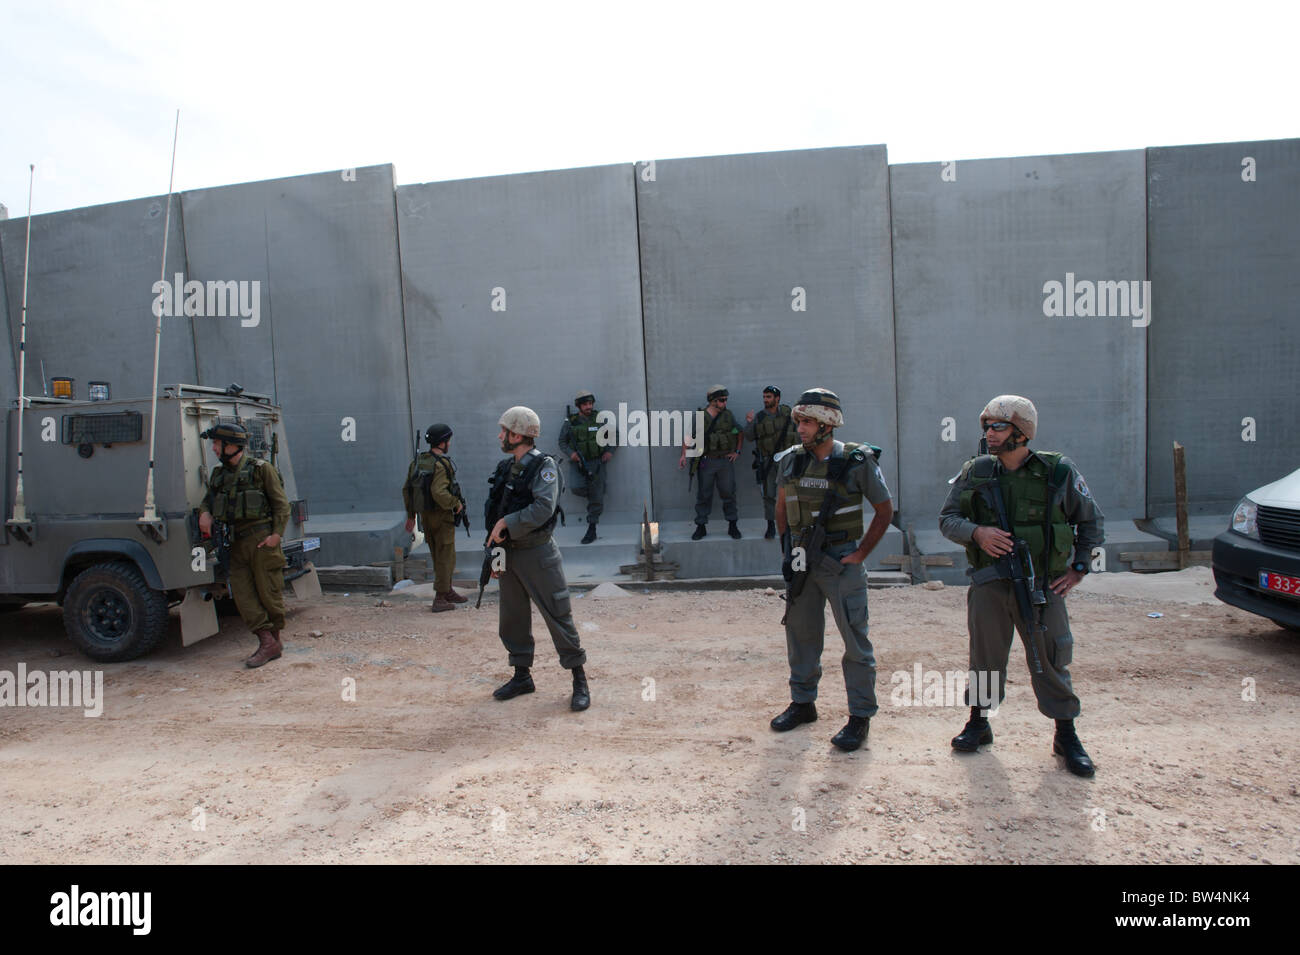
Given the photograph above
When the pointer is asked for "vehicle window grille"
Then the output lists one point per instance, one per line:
(257, 440)
(105, 427)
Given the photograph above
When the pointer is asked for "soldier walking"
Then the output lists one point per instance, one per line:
(521, 511)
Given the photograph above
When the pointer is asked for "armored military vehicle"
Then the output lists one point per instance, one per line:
(84, 537)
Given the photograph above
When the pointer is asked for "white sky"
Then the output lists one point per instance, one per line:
(459, 90)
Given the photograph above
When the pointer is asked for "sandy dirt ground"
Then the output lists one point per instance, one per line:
(196, 759)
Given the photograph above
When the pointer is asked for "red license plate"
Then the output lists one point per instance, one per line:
(1279, 583)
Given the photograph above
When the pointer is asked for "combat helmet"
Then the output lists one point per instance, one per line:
(1019, 411)
(522, 421)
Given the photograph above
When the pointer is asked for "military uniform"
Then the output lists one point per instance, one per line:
(721, 438)
(770, 432)
(431, 490)
(851, 470)
(1048, 502)
(578, 436)
(250, 498)
(534, 570)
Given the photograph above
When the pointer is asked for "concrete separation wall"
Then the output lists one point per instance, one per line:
(90, 295)
(725, 243)
(327, 337)
(1225, 342)
(520, 290)
(975, 242)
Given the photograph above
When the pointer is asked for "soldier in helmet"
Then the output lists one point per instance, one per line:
(432, 491)
(245, 492)
(524, 500)
(810, 474)
(1048, 504)
(578, 439)
(772, 431)
(722, 441)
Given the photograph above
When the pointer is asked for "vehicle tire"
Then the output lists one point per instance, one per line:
(1286, 626)
(112, 614)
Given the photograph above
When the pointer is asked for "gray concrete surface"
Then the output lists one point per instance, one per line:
(971, 258)
(90, 298)
(724, 240)
(1225, 339)
(562, 248)
(328, 343)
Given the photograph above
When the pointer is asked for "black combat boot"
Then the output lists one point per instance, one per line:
(699, 532)
(520, 683)
(1067, 744)
(770, 532)
(794, 715)
(590, 536)
(977, 733)
(581, 694)
(854, 733)
(733, 530)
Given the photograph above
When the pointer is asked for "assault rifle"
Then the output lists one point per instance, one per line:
(814, 549)
(223, 539)
(1029, 596)
(491, 514)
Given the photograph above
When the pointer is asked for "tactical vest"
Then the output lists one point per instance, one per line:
(768, 427)
(421, 481)
(720, 434)
(512, 490)
(236, 496)
(807, 487)
(1028, 491)
(584, 436)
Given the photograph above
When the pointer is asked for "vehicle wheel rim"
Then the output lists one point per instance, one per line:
(108, 616)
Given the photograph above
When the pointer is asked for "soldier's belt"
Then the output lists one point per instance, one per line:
(988, 575)
(261, 527)
(527, 543)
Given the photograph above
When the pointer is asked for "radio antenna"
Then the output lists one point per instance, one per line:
(149, 521)
(19, 525)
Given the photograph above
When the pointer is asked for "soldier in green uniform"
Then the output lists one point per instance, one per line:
(245, 492)
(523, 508)
(1050, 507)
(771, 430)
(431, 490)
(578, 441)
(722, 441)
(809, 475)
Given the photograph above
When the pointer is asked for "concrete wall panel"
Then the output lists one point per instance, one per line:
(328, 342)
(89, 295)
(562, 249)
(724, 241)
(1225, 341)
(974, 245)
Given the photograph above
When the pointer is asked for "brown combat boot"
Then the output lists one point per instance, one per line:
(268, 648)
(441, 603)
(454, 597)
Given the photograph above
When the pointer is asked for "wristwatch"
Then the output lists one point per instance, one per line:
(1079, 567)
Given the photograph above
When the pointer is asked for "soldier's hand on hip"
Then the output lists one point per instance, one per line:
(994, 541)
(498, 531)
(1064, 584)
(573, 456)
(272, 540)
(857, 557)
(205, 524)
(733, 455)
(410, 525)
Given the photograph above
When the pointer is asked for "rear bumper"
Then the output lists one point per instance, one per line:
(1237, 562)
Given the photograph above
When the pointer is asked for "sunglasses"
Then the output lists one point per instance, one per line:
(998, 426)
